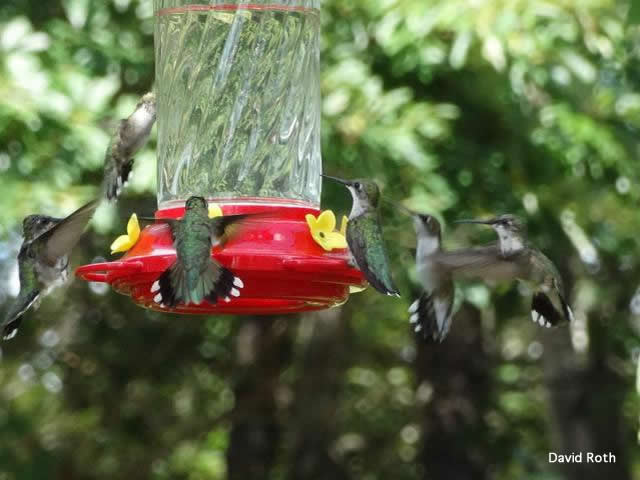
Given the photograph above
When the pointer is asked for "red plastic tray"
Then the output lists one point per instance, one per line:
(283, 269)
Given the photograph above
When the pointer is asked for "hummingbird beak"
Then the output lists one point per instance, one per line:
(405, 209)
(336, 179)
(482, 222)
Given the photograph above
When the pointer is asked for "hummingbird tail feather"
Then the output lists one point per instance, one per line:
(431, 316)
(14, 318)
(543, 312)
(116, 178)
(568, 312)
(10, 330)
(224, 284)
(164, 292)
(215, 282)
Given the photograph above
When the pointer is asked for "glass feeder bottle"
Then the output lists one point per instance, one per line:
(238, 100)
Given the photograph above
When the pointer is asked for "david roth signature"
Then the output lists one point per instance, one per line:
(582, 457)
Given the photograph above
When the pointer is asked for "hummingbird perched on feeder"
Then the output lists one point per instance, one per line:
(195, 276)
(43, 260)
(364, 235)
(510, 259)
(130, 136)
(432, 312)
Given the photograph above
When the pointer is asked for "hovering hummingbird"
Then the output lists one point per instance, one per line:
(130, 136)
(432, 312)
(364, 235)
(195, 276)
(514, 258)
(43, 260)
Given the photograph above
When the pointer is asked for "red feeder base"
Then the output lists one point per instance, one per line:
(283, 269)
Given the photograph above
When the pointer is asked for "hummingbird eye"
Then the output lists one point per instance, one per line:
(357, 186)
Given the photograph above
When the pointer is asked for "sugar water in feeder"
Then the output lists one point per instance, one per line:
(238, 101)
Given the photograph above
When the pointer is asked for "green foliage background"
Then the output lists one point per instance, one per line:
(455, 107)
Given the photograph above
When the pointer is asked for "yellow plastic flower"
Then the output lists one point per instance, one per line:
(214, 210)
(322, 231)
(125, 242)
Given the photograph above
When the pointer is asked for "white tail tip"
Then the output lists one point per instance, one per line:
(155, 287)
(413, 308)
(157, 298)
(13, 333)
(238, 282)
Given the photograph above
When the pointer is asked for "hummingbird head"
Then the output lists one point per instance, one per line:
(148, 100)
(428, 232)
(194, 203)
(510, 229)
(426, 225)
(364, 192)
(509, 224)
(504, 223)
(35, 225)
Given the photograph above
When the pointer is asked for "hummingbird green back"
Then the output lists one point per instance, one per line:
(364, 237)
(195, 276)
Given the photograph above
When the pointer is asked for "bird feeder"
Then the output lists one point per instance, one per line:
(238, 102)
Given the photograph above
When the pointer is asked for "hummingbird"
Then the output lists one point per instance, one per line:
(511, 258)
(130, 136)
(432, 312)
(195, 276)
(43, 259)
(364, 235)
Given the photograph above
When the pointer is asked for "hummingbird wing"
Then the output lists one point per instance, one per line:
(479, 262)
(29, 294)
(431, 313)
(366, 244)
(59, 240)
(226, 227)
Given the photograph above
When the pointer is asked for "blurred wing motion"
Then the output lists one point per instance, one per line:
(130, 136)
(479, 262)
(60, 239)
(226, 227)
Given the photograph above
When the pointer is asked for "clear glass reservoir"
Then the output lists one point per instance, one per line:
(238, 100)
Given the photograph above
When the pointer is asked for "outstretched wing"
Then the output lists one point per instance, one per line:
(478, 262)
(226, 227)
(60, 239)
